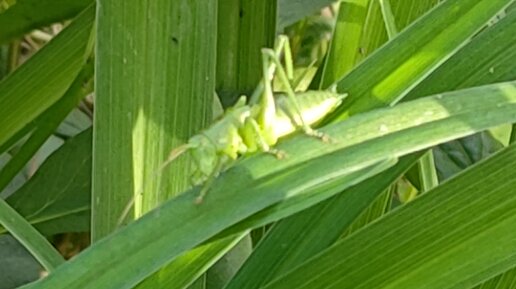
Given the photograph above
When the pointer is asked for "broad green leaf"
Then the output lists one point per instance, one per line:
(149, 99)
(376, 209)
(42, 80)
(388, 75)
(57, 198)
(244, 28)
(440, 240)
(4, 56)
(261, 181)
(151, 96)
(25, 15)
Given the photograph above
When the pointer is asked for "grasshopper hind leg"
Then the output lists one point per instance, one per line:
(292, 109)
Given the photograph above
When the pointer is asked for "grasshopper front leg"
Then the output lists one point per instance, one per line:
(253, 136)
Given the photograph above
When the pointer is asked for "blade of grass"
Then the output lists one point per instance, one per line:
(26, 15)
(261, 181)
(29, 237)
(183, 271)
(435, 37)
(427, 172)
(37, 245)
(489, 56)
(344, 47)
(405, 13)
(454, 250)
(388, 18)
(49, 73)
(359, 31)
(46, 125)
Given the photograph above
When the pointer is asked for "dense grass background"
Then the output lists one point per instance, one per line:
(416, 192)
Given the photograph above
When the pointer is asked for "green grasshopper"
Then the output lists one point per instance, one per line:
(256, 127)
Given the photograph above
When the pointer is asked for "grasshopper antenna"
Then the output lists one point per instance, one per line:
(174, 154)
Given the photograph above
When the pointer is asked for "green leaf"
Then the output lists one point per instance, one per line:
(310, 196)
(26, 15)
(388, 18)
(43, 79)
(434, 37)
(149, 99)
(345, 43)
(47, 123)
(57, 198)
(261, 181)
(34, 242)
(440, 240)
(486, 59)
(360, 30)
(225, 268)
(244, 28)
(405, 12)
(186, 269)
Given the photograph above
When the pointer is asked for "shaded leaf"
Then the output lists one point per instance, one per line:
(57, 198)
(453, 157)
(18, 267)
(25, 15)
(43, 79)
